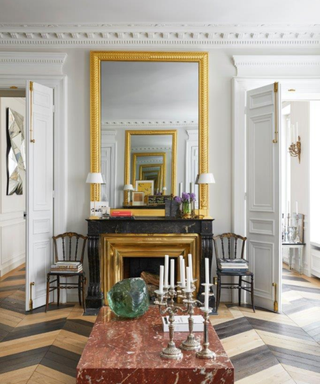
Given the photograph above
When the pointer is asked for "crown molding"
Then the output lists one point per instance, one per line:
(159, 34)
(28, 63)
(282, 65)
(148, 124)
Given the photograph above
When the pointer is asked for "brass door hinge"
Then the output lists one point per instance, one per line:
(275, 304)
(31, 301)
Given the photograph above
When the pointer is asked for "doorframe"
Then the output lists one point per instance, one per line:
(301, 72)
(45, 68)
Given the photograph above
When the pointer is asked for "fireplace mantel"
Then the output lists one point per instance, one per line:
(140, 225)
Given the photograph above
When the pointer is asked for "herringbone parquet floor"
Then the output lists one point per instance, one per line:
(265, 348)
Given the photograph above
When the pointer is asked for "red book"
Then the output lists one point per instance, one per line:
(121, 213)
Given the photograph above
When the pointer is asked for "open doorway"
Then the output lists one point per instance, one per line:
(300, 200)
(12, 197)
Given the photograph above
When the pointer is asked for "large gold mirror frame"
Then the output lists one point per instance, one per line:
(95, 109)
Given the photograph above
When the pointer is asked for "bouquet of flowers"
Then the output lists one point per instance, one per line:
(186, 200)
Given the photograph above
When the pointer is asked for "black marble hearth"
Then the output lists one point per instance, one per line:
(140, 225)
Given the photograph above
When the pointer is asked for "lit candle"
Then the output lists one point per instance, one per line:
(166, 270)
(172, 273)
(182, 274)
(188, 279)
(190, 265)
(180, 189)
(297, 210)
(206, 260)
(206, 297)
(161, 279)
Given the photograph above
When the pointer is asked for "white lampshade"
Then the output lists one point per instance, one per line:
(205, 178)
(164, 188)
(94, 178)
(128, 187)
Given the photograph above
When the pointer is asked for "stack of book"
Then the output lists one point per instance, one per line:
(233, 265)
(122, 215)
(67, 267)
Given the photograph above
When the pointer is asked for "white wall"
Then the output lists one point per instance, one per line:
(12, 223)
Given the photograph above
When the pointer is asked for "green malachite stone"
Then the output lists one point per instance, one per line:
(129, 298)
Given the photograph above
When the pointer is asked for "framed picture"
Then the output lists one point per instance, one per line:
(137, 198)
(145, 186)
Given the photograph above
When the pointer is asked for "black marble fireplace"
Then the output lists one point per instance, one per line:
(199, 230)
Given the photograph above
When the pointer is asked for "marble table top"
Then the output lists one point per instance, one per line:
(128, 351)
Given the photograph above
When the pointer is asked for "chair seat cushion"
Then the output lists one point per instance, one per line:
(233, 265)
(234, 273)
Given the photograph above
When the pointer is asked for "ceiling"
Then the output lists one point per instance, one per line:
(162, 11)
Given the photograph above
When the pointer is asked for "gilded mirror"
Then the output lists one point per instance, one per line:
(149, 121)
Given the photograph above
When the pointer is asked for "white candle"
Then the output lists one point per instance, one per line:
(180, 189)
(297, 210)
(297, 131)
(172, 273)
(161, 279)
(190, 265)
(182, 275)
(180, 267)
(206, 297)
(166, 270)
(206, 260)
(188, 279)
(289, 207)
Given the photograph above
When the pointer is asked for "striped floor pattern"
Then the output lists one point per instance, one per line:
(265, 348)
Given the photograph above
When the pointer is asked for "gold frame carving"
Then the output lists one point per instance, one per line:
(116, 247)
(95, 108)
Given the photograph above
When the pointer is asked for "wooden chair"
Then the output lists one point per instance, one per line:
(226, 247)
(68, 247)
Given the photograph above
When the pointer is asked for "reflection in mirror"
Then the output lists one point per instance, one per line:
(152, 97)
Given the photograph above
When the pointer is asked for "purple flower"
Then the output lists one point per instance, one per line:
(193, 197)
(185, 197)
(178, 199)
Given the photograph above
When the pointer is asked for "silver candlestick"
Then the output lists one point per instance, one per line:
(171, 351)
(191, 343)
(206, 353)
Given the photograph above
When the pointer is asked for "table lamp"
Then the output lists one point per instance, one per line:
(205, 178)
(129, 189)
(94, 178)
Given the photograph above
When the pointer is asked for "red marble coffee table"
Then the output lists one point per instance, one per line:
(128, 352)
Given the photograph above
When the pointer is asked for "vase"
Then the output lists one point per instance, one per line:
(186, 210)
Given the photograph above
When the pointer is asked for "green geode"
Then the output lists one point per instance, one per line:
(129, 298)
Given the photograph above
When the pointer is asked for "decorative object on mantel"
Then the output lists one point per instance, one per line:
(99, 209)
(129, 298)
(128, 188)
(187, 201)
(94, 178)
(295, 146)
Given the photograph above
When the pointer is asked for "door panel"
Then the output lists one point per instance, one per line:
(263, 198)
(39, 196)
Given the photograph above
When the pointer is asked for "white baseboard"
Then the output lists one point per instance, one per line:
(15, 264)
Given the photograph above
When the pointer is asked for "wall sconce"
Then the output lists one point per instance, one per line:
(295, 149)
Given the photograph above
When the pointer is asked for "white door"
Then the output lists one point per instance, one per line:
(39, 196)
(263, 194)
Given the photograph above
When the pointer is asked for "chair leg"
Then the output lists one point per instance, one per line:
(79, 289)
(58, 288)
(218, 293)
(252, 294)
(83, 288)
(239, 290)
(48, 291)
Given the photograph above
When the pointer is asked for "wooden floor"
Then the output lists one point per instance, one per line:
(44, 348)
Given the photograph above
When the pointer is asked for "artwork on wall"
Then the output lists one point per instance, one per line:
(16, 153)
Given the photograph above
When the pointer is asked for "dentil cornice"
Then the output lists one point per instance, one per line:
(159, 34)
